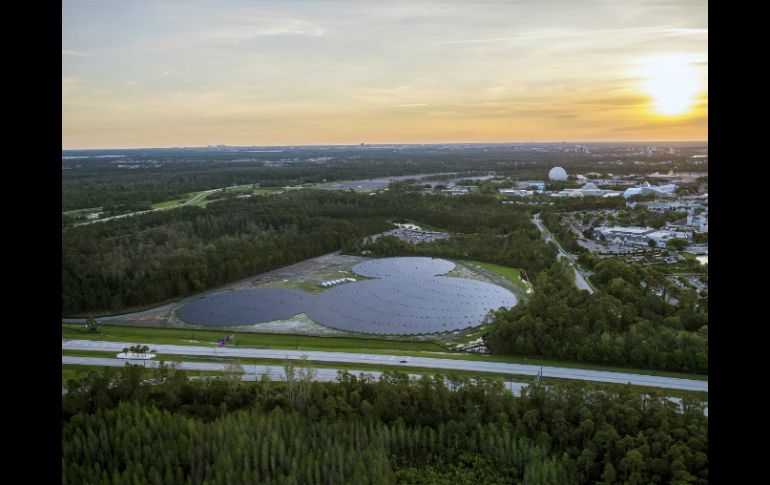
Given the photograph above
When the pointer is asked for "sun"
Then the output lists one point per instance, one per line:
(672, 82)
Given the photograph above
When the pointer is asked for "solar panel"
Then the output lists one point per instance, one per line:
(407, 297)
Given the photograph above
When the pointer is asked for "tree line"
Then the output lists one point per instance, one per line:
(394, 429)
(521, 249)
(626, 324)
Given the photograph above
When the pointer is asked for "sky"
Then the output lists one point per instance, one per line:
(193, 73)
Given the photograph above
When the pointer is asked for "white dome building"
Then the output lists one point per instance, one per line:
(557, 173)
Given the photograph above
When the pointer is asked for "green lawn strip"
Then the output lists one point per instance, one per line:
(340, 344)
(168, 204)
(246, 339)
(71, 371)
(124, 311)
(77, 371)
(311, 283)
(89, 353)
(511, 274)
(77, 212)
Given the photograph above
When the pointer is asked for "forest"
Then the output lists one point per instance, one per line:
(522, 249)
(157, 175)
(626, 324)
(117, 429)
(553, 221)
(163, 255)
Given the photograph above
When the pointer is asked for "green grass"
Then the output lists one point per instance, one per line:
(77, 212)
(70, 371)
(77, 371)
(312, 282)
(169, 204)
(244, 339)
(341, 344)
(89, 353)
(511, 274)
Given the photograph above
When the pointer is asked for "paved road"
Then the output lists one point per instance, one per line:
(445, 365)
(255, 372)
(131, 214)
(580, 280)
(251, 372)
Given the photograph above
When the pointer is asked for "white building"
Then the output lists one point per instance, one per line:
(638, 236)
(588, 190)
(668, 190)
(517, 192)
(557, 174)
(526, 184)
(700, 222)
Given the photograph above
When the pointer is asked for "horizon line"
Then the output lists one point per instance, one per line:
(391, 144)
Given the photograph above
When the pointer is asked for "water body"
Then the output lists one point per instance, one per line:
(407, 296)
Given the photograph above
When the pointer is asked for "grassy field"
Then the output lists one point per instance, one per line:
(244, 339)
(170, 204)
(311, 282)
(340, 344)
(76, 372)
(79, 212)
(201, 200)
(511, 274)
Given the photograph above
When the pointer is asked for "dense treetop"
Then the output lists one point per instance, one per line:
(360, 430)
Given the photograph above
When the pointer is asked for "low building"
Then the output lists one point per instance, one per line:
(638, 236)
(517, 192)
(459, 190)
(526, 184)
(588, 190)
(668, 190)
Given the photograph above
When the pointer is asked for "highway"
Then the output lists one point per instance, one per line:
(441, 365)
(194, 200)
(251, 372)
(255, 372)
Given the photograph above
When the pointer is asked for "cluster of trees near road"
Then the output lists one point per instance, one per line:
(360, 430)
(553, 221)
(162, 255)
(626, 324)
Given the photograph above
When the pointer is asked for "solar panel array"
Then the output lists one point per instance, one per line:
(242, 307)
(406, 298)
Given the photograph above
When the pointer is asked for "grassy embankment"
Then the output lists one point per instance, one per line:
(404, 347)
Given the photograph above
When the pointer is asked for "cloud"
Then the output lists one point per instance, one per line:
(410, 105)
(65, 52)
(687, 31)
(264, 27)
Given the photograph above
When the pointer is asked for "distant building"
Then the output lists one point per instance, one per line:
(517, 192)
(638, 236)
(459, 190)
(540, 186)
(700, 222)
(588, 190)
(557, 174)
(668, 190)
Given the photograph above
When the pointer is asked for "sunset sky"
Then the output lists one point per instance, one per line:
(193, 73)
